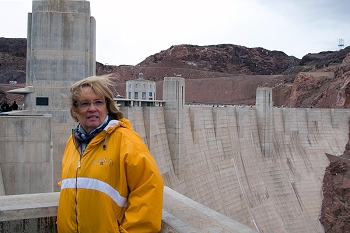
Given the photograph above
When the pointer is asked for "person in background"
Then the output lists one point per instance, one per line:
(14, 105)
(5, 106)
(110, 181)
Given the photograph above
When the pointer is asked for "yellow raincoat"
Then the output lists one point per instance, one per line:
(114, 186)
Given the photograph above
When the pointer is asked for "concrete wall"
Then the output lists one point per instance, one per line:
(29, 213)
(37, 213)
(61, 50)
(226, 169)
(26, 161)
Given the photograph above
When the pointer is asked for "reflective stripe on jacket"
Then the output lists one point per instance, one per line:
(114, 186)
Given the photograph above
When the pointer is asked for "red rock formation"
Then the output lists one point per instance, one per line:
(225, 58)
(321, 91)
(335, 210)
(212, 64)
(13, 54)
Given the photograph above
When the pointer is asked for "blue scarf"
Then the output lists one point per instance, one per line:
(83, 137)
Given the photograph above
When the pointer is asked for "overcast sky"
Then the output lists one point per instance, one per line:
(129, 31)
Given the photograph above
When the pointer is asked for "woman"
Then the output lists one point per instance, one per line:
(110, 181)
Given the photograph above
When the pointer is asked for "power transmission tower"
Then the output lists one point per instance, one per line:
(341, 44)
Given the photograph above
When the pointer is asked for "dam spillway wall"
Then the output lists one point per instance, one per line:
(226, 168)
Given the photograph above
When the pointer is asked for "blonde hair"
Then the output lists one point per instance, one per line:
(99, 84)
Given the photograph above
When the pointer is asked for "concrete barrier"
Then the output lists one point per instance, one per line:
(37, 213)
(28, 213)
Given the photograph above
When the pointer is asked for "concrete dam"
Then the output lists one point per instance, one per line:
(260, 165)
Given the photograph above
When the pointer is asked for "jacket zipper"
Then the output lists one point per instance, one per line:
(76, 182)
(76, 179)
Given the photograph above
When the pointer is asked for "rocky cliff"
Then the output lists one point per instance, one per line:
(13, 53)
(327, 87)
(224, 58)
(316, 80)
(335, 211)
